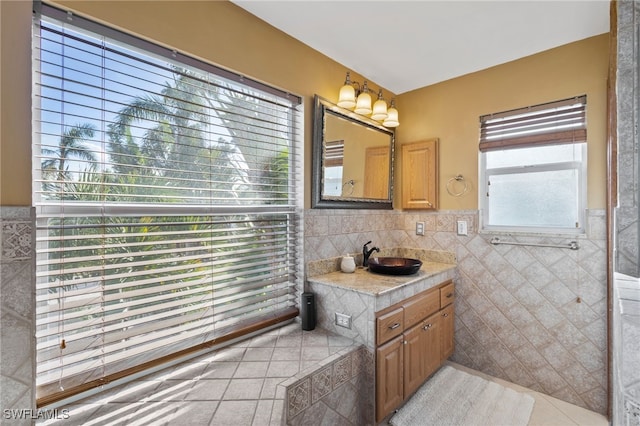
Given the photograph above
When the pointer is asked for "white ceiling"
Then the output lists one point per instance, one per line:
(405, 45)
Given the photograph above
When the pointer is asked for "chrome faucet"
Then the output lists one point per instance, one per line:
(366, 253)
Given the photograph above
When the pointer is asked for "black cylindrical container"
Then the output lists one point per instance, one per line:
(308, 311)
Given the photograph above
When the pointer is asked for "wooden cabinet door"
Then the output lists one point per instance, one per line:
(431, 344)
(414, 347)
(376, 172)
(389, 386)
(420, 175)
(447, 343)
(422, 352)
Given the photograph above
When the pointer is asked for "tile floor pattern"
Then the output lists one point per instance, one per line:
(238, 386)
(235, 386)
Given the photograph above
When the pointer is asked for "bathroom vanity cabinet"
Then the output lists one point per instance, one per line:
(420, 175)
(405, 322)
(413, 338)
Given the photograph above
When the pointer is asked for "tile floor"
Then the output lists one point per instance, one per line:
(235, 386)
(547, 410)
(238, 386)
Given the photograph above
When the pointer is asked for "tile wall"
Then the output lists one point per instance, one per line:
(627, 216)
(626, 387)
(17, 304)
(531, 315)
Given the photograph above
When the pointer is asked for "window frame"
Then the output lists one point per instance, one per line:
(483, 202)
(556, 123)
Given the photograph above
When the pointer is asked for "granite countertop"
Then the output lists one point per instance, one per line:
(371, 283)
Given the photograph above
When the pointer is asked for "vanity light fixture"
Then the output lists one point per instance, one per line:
(392, 116)
(357, 98)
(363, 103)
(347, 98)
(379, 108)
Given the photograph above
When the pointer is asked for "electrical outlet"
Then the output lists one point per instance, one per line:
(343, 320)
(419, 228)
(462, 227)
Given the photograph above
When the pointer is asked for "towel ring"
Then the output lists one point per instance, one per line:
(349, 182)
(457, 178)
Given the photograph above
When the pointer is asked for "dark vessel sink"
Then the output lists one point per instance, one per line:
(394, 265)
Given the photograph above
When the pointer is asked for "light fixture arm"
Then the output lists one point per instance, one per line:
(357, 87)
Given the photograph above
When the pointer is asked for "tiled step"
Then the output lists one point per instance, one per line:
(332, 392)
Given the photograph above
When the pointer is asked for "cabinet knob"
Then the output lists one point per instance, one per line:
(394, 326)
(428, 326)
(445, 314)
(449, 296)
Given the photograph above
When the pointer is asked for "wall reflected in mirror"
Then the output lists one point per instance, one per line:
(353, 160)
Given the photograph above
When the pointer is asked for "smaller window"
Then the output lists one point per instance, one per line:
(533, 168)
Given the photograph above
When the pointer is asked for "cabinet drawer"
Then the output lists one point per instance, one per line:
(447, 295)
(419, 308)
(389, 325)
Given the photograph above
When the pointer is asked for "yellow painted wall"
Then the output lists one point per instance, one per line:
(222, 33)
(450, 111)
(15, 106)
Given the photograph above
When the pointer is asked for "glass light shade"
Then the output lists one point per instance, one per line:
(363, 104)
(392, 118)
(347, 98)
(379, 110)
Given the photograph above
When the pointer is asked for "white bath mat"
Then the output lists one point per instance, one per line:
(454, 397)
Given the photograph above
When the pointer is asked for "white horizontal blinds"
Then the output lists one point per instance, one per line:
(132, 288)
(179, 135)
(558, 122)
(167, 206)
(333, 153)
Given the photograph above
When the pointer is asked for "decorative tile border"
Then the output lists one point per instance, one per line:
(16, 232)
(341, 371)
(320, 384)
(310, 386)
(298, 397)
(16, 241)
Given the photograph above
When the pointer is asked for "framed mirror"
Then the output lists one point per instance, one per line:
(352, 160)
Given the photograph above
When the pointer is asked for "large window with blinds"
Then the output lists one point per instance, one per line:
(533, 168)
(168, 202)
